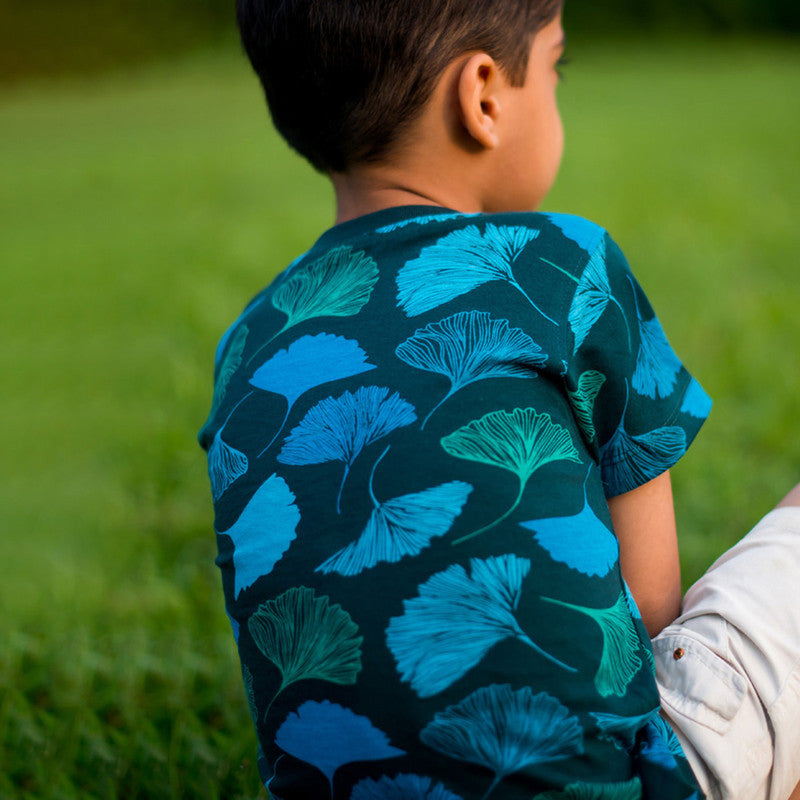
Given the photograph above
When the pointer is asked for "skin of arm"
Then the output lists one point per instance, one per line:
(644, 522)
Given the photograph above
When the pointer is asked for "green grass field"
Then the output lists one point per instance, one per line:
(140, 211)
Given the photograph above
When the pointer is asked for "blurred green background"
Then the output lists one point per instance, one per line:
(144, 199)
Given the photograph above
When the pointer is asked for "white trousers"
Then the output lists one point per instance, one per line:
(728, 668)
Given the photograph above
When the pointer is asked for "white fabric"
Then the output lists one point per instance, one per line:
(728, 668)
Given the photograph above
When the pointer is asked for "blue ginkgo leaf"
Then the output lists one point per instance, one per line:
(328, 736)
(585, 234)
(308, 362)
(628, 461)
(657, 366)
(263, 531)
(505, 731)
(460, 262)
(591, 298)
(632, 607)
(226, 464)
(471, 346)
(620, 660)
(580, 541)
(234, 627)
(422, 220)
(660, 745)
(401, 787)
(621, 731)
(459, 618)
(696, 402)
(339, 429)
(404, 526)
(629, 790)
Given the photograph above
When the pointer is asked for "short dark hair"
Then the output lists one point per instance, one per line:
(345, 78)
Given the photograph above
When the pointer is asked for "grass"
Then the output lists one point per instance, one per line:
(139, 211)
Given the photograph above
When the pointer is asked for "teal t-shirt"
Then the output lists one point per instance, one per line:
(414, 432)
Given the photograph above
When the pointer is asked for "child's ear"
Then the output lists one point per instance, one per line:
(479, 105)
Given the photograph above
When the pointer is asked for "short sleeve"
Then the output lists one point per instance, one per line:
(637, 406)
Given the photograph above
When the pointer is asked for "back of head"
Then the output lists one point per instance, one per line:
(344, 79)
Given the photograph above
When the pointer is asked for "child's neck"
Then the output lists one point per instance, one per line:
(363, 191)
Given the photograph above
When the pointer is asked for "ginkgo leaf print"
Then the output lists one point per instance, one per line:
(226, 464)
(589, 385)
(308, 362)
(577, 229)
(460, 262)
(263, 532)
(339, 429)
(591, 297)
(404, 526)
(306, 638)
(247, 677)
(338, 284)
(459, 618)
(505, 731)
(229, 365)
(622, 731)
(471, 346)
(660, 745)
(629, 461)
(657, 366)
(401, 787)
(580, 541)
(620, 660)
(629, 790)
(696, 402)
(422, 220)
(520, 441)
(328, 736)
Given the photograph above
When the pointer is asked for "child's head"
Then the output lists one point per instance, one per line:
(345, 79)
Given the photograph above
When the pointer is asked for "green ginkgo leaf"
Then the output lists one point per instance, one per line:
(520, 441)
(230, 363)
(620, 660)
(307, 638)
(582, 399)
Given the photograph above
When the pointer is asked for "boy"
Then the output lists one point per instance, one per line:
(443, 435)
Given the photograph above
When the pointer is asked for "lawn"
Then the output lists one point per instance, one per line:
(138, 213)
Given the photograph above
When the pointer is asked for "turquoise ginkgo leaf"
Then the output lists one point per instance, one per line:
(459, 618)
(460, 262)
(657, 366)
(622, 731)
(307, 638)
(247, 677)
(307, 363)
(629, 790)
(583, 398)
(620, 660)
(591, 298)
(339, 429)
(696, 402)
(339, 284)
(328, 736)
(422, 220)
(263, 532)
(226, 464)
(520, 441)
(401, 787)
(505, 731)
(471, 346)
(229, 365)
(580, 541)
(585, 234)
(404, 526)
